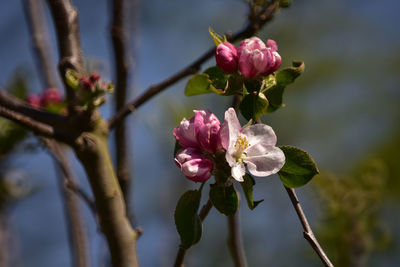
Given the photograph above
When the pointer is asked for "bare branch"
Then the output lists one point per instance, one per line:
(65, 18)
(254, 25)
(308, 233)
(235, 242)
(35, 15)
(13, 104)
(77, 234)
(123, 68)
(182, 251)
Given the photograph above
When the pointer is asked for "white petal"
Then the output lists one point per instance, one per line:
(263, 160)
(230, 129)
(228, 156)
(260, 133)
(238, 171)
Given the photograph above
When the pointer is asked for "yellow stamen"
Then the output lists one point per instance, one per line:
(241, 144)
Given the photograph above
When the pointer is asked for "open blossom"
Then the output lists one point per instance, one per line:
(193, 164)
(201, 131)
(253, 145)
(226, 57)
(257, 58)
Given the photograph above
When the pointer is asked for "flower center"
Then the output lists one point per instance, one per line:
(241, 144)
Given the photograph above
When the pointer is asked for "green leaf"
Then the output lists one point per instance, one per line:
(224, 199)
(10, 135)
(283, 78)
(216, 37)
(72, 79)
(187, 221)
(247, 186)
(253, 106)
(217, 77)
(198, 84)
(299, 167)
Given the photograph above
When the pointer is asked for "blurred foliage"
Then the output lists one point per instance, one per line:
(352, 228)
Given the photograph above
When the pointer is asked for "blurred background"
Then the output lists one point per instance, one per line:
(344, 110)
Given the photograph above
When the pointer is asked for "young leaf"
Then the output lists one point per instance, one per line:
(217, 77)
(198, 84)
(224, 199)
(187, 221)
(247, 186)
(253, 106)
(216, 37)
(299, 167)
(283, 78)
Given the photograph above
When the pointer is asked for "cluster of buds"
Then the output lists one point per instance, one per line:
(203, 137)
(45, 99)
(90, 89)
(252, 58)
(199, 138)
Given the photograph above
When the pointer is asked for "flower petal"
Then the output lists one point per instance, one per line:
(230, 129)
(238, 171)
(260, 133)
(264, 160)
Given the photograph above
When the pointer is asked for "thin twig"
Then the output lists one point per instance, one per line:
(123, 69)
(254, 25)
(308, 233)
(76, 229)
(235, 242)
(182, 251)
(35, 15)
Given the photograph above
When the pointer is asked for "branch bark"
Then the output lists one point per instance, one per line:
(92, 150)
(123, 69)
(65, 18)
(181, 252)
(254, 25)
(235, 242)
(308, 233)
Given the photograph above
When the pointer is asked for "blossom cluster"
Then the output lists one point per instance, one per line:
(203, 136)
(44, 99)
(252, 58)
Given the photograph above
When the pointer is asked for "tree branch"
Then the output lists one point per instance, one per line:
(235, 242)
(123, 68)
(35, 126)
(13, 104)
(65, 18)
(35, 15)
(308, 233)
(77, 234)
(254, 25)
(181, 252)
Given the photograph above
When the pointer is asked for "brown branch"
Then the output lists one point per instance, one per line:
(235, 242)
(308, 233)
(254, 25)
(123, 68)
(182, 251)
(35, 126)
(78, 239)
(65, 18)
(13, 104)
(35, 15)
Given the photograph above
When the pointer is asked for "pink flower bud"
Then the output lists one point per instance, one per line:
(33, 100)
(94, 77)
(186, 133)
(193, 164)
(256, 58)
(208, 127)
(226, 57)
(50, 96)
(86, 83)
(272, 44)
